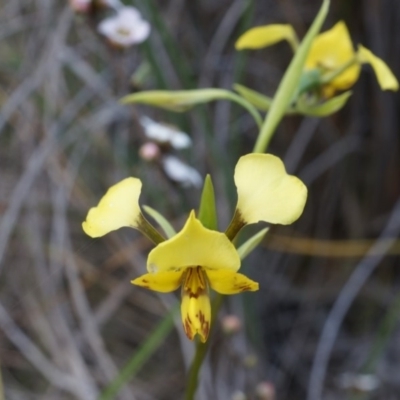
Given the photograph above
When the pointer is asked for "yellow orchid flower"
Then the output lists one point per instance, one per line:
(197, 258)
(332, 55)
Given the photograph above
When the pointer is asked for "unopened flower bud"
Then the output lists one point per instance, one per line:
(149, 151)
(265, 391)
(80, 6)
(231, 324)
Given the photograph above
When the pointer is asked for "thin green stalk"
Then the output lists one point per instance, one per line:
(177, 57)
(385, 330)
(236, 224)
(201, 352)
(149, 231)
(289, 83)
(141, 356)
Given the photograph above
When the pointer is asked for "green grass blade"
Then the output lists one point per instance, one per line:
(141, 356)
(161, 220)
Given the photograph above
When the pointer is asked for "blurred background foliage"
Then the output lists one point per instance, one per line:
(327, 313)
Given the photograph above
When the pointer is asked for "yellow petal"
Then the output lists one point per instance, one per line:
(266, 192)
(229, 282)
(119, 207)
(193, 246)
(195, 306)
(160, 282)
(386, 79)
(329, 51)
(263, 36)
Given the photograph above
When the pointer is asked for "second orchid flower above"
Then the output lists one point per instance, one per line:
(332, 66)
(199, 257)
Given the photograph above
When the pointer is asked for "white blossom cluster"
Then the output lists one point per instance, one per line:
(124, 28)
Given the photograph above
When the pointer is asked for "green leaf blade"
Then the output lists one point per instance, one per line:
(250, 244)
(161, 220)
(207, 210)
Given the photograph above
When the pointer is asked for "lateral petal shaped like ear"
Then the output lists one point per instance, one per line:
(163, 282)
(194, 245)
(118, 208)
(266, 192)
(229, 282)
(330, 50)
(386, 78)
(264, 36)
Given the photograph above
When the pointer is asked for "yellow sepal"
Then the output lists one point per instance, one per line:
(263, 36)
(266, 192)
(119, 207)
(194, 245)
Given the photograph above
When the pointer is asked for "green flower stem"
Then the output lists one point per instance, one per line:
(289, 83)
(294, 42)
(248, 106)
(201, 352)
(334, 74)
(141, 356)
(149, 231)
(183, 100)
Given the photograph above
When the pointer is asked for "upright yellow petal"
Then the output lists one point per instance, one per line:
(266, 192)
(194, 245)
(386, 79)
(263, 36)
(331, 50)
(195, 306)
(229, 282)
(119, 207)
(160, 282)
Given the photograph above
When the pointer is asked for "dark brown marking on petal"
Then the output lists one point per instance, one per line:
(195, 282)
(244, 288)
(187, 326)
(145, 281)
(205, 326)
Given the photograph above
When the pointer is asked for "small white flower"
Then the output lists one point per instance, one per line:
(165, 134)
(181, 172)
(359, 382)
(125, 28)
